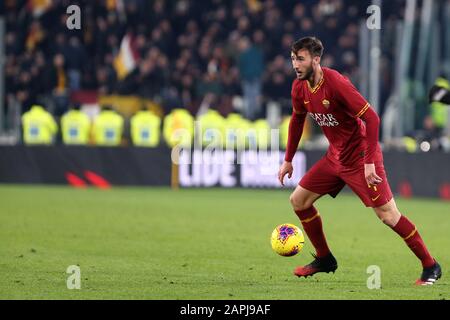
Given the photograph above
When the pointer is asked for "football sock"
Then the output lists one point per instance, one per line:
(408, 231)
(312, 224)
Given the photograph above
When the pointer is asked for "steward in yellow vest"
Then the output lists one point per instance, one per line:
(145, 129)
(75, 127)
(178, 128)
(212, 128)
(108, 128)
(440, 102)
(236, 128)
(259, 134)
(38, 125)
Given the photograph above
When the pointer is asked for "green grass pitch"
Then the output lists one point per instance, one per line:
(200, 244)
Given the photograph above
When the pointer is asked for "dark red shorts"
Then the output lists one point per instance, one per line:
(327, 177)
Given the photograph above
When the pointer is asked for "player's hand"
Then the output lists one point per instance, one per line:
(371, 176)
(286, 168)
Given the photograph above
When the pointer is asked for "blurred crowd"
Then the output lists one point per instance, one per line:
(187, 50)
(232, 56)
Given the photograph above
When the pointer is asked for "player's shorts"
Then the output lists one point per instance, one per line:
(327, 177)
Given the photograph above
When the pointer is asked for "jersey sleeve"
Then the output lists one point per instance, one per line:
(294, 134)
(296, 123)
(297, 102)
(356, 105)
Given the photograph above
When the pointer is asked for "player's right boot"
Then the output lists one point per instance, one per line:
(323, 264)
(430, 275)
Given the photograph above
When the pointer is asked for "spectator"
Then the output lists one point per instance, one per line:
(251, 64)
(187, 48)
(76, 58)
(56, 81)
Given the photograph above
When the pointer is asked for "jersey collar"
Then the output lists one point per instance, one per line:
(317, 86)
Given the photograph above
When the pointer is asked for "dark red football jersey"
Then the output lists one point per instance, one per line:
(336, 106)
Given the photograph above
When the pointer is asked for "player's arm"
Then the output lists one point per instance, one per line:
(358, 107)
(372, 122)
(295, 131)
(296, 125)
(294, 135)
(372, 128)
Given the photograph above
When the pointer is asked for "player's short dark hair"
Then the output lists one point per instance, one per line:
(312, 44)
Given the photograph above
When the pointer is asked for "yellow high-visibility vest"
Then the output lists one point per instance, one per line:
(38, 125)
(236, 131)
(212, 128)
(108, 128)
(145, 129)
(75, 127)
(178, 128)
(259, 134)
(439, 110)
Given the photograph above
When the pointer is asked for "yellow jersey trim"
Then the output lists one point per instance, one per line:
(317, 87)
(363, 110)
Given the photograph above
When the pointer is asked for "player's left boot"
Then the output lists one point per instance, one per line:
(430, 275)
(323, 264)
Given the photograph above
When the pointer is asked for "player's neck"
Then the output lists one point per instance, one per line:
(316, 77)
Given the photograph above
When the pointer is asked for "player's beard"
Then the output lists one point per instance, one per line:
(307, 74)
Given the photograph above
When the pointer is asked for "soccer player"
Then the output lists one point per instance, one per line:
(354, 158)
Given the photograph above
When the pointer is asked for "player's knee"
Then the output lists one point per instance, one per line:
(292, 200)
(389, 218)
(298, 203)
(388, 213)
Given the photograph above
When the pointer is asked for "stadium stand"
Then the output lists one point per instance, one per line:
(177, 53)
